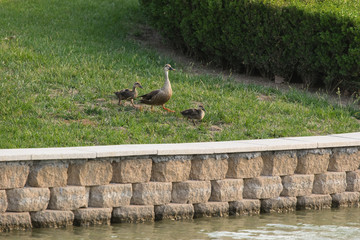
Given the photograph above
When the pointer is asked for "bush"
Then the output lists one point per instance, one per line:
(317, 41)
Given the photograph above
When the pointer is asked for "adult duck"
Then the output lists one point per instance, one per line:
(127, 94)
(162, 95)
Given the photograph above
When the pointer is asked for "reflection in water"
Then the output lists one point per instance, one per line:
(325, 224)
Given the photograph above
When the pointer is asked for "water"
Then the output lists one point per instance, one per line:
(325, 224)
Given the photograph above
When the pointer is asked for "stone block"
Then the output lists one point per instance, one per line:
(345, 199)
(314, 201)
(297, 185)
(174, 211)
(329, 183)
(68, 198)
(92, 216)
(279, 163)
(52, 219)
(132, 170)
(191, 192)
(89, 173)
(13, 174)
(245, 207)
(3, 201)
(211, 209)
(344, 159)
(227, 190)
(151, 193)
(27, 199)
(353, 181)
(313, 161)
(278, 205)
(15, 221)
(112, 195)
(48, 174)
(209, 167)
(262, 187)
(133, 214)
(171, 170)
(245, 165)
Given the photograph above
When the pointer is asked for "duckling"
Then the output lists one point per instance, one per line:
(127, 94)
(193, 113)
(162, 95)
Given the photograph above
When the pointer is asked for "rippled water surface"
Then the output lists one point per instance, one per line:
(325, 224)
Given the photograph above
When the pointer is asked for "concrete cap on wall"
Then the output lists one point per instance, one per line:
(91, 152)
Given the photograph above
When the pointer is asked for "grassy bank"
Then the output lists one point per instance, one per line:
(61, 61)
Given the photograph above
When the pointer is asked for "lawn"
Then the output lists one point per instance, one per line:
(61, 61)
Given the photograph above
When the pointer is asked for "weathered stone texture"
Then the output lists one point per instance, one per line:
(133, 214)
(297, 185)
(246, 165)
(89, 173)
(92, 216)
(313, 161)
(211, 209)
(27, 199)
(3, 201)
(52, 219)
(15, 221)
(346, 199)
(177, 170)
(191, 192)
(48, 174)
(227, 190)
(174, 211)
(13, 174)
(344, 159)
(112, 195)
(279, 163)
(262, 187)
(245, 207)
(314, 201)
(68, 198)
(353, 181)
(132, 170)
(278, 205)
(209, 167)
(151, 193)
(329, 183)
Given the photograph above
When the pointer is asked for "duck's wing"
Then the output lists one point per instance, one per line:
(190, 113)
(125, 93)
(150, 95)
(122, 91)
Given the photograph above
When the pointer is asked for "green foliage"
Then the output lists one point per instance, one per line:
(318, 41)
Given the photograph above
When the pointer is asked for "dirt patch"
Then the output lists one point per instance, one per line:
(85, 122)
(215, 128)
(265, 98)
(61, 92)
(120, 129)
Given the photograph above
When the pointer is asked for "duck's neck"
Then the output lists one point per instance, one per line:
(134, 92)
(167, 85)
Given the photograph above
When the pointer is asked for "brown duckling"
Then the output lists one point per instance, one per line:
(127, 94)
(162, 95)
(194, 114)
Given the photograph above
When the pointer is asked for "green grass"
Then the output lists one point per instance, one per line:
(58, 75)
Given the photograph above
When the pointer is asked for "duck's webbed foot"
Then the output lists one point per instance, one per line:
(169, 110)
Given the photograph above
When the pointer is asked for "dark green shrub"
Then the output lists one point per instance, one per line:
(316, 40)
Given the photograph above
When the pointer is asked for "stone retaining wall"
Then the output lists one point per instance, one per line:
(74, 186)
